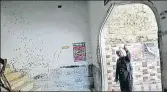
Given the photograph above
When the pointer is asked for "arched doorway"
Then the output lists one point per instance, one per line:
(135, 25)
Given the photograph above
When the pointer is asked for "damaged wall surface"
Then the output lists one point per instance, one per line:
(97, 15)
(37, 37)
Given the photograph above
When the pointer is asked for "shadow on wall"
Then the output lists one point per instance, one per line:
(94, 74)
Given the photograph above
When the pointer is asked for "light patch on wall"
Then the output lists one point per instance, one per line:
(65, 47)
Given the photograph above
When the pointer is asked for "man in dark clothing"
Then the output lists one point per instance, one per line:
(124, 71)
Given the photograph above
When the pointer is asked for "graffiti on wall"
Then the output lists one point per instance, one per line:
(79, 51)
(65, 78)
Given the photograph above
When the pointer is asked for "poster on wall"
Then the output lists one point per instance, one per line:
(152, 48)
(79, 51)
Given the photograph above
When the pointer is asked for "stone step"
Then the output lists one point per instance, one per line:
(13, 75)
(25, 87)
(7, 65)
(18, 82)
(3, 90)
(7, 70)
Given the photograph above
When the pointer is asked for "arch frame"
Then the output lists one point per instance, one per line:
(99, 43)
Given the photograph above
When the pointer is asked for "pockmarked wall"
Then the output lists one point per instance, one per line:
(97, 15)
(37, 37)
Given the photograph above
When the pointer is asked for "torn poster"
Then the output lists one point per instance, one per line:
(79, 51)
(151, 50)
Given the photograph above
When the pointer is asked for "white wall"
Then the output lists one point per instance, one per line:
(97, 14)
(34, 32)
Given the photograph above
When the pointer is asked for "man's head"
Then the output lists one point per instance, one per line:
(119, 53)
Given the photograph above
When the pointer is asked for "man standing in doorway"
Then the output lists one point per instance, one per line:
(124, 71)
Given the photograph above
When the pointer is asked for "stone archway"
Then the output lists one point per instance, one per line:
(104, 60)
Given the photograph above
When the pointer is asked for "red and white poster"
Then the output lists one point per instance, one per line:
(79, 51)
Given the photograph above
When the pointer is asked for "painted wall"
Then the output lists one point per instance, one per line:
(97, 14)
(33, 34)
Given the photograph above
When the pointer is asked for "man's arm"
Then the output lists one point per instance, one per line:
(128, 56)
(117, 72)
